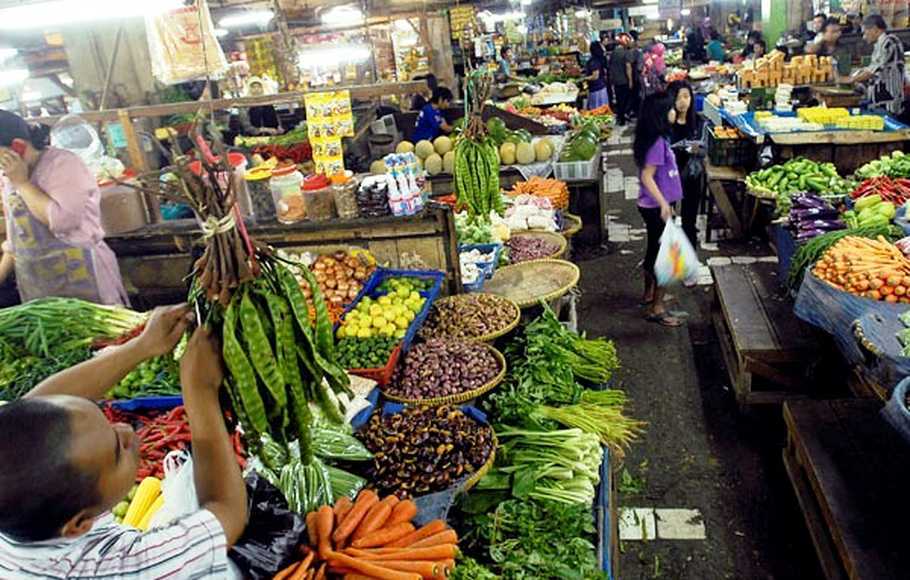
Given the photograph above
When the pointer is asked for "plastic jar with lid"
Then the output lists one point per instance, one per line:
(258, 182)
(318, 198)
(285, 184)
(344, 190)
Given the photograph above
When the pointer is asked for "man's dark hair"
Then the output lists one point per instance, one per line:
(12, 127)
(832, 21)
(821, 15)
(504, 50)
(634, 35)
(40, 489)
(877, 21)
(441, 94)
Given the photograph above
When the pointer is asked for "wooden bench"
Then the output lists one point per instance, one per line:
(849, 470)
(760, 337)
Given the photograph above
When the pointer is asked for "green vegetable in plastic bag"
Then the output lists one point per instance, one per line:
(344, 483)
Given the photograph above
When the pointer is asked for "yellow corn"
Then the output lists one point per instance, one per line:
(153, 509)
(148, 491)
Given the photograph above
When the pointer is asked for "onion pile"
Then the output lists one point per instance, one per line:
(442, 368)
(526, 248)
(340, 276)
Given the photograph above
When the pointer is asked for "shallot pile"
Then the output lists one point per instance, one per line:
(526, 248)
(441, 368)
(469, 316)
(340, 276)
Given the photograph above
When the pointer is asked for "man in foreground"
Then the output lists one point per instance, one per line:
(65, 466)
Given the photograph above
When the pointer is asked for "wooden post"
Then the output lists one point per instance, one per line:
(110, 69)
(137, 160)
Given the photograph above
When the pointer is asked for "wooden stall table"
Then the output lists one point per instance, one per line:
(717, 176)
(765, 347)
(837, 97)
(849, 470)
(848, 150)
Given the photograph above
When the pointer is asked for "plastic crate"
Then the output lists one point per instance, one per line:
(148, 404)
(383, 374)
(733, 152)
(577, 170)
(488, 267)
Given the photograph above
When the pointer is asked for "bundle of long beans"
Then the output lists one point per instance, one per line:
(476, 157)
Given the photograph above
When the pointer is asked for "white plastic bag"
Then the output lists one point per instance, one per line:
(183, 45)
(178, 489)
(676, 259)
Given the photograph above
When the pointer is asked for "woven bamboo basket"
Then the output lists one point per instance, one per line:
(528, 283)
(478, 475)
(460, 397)
(572, 224)
(549, 236)
(493, 335)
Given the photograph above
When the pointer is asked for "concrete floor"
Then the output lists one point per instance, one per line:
(698, 451)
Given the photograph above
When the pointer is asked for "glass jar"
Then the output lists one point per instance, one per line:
(318, 198)
(285, 184)
(345, 193)
(258, 183)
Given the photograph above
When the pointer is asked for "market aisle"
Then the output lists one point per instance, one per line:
(697, 453)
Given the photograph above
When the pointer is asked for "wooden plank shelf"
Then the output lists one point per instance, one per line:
(765, 347)
(849, 470)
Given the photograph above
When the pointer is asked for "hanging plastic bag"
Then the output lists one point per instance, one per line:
(183, 46)
(178, 489)
(676, 259)
(270, 540)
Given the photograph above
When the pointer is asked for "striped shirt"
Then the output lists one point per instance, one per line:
(192, 548)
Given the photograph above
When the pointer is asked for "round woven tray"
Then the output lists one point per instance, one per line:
(460, 397)
(478, 475)
(549, 236)
(528, 283)
(493, 335)
(572, 224)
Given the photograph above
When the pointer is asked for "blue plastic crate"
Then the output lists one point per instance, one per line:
(148, 404)
(476, 285)
(603, 517)
(487, 267)
(380, 275)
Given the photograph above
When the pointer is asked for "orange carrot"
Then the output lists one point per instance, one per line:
(425, 568)
(433, 527)
(446, 567)
(320, 574)
(310, 575)
(375, 518)
(440, 552)
(370, 568)
(403, 512)
(366, 500)
(384, 535)
(285, 573)
(446, 537)
(325, 518)
(304, 568)
(341, 509)
(356, 576)
(311, 528)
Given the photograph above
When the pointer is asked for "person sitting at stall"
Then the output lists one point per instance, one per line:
(504, 74)
(716, 47)
(815, 29)
(827, 45)
(596, 75)
(884, 77)
(54, 239)
(695, 46)
(62, 475)
(420, 99)
(759, 49)
(753, 37)
(431, 123)
(261, 119)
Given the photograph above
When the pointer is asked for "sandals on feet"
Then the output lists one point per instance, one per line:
(664, 319)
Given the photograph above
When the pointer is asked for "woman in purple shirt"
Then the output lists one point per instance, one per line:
(660, 187)
(54, 238)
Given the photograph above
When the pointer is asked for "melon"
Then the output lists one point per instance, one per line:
(404, 147)
(433, 164)
(442, 145)
(448, 162)
(507, 153)
(424, 149)
(524, 153)
(543, 151)
(377, 167)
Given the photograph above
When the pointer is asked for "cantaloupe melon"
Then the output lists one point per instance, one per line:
(404, 147)
(524, 153)
(433, 164)
(542, 150)
(448, 162)
(442, 145)
(377, 167)
(507, 153)
(424, 149)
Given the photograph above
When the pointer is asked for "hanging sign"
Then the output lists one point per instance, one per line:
(329, 118)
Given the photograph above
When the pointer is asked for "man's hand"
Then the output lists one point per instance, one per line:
(14, 167)
(164, 329)
(201, 368)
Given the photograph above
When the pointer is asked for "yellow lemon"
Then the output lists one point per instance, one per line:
(388, 330)
(342, 332)
(403, 291)
(400, 333)
(409, 315)
(401, 322)
(379, 322)
(385, 300)
(364, 333)
(375, 310)
(415, 295)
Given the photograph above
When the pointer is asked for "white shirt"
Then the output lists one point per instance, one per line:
(192, 548)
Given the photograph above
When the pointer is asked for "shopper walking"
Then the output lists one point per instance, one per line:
(660, 187)
(622, 79)
(596, 75)
(684, 130)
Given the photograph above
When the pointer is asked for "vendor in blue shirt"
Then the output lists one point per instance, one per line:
(430, 122)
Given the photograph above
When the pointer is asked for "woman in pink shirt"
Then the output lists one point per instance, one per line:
(54, 238)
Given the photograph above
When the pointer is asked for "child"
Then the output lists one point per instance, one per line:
(430, 122)
(660, 187)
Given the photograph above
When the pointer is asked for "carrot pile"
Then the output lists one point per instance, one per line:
(373, 538)
(601, 110)
(553, 189)
(873, 269)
